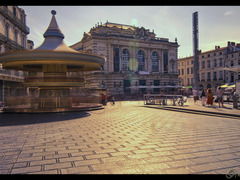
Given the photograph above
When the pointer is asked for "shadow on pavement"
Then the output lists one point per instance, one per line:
(25, 119)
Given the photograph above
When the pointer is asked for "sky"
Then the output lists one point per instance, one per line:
(217, 24)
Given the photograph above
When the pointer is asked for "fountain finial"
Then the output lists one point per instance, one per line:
(53, 12)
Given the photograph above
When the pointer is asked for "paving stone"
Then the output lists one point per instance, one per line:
(204, 167)
(26, 170)
(156, 167)
(76, 170)
(86, 162)
(180, 170)
(125, 138)
(57, 165)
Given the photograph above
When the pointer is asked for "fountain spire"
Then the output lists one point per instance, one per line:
(53, 29)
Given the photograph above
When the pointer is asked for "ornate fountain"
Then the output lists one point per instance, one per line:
(51, 68)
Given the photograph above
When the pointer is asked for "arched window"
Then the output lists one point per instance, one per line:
(141, 60)
(155, 62)
(125, 60)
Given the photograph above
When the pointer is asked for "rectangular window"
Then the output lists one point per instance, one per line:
(142, 83)
(6, 31)
(156, 82)
(220, 75)
(220, 62)
(203, 76)
(14, 11)
(208, 63)
(208, 76)
(214, 75)
(116, 59)
(203, 64)
(165, 62)
(215, 62)
(15, 36)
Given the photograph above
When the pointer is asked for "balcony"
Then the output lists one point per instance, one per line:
(5, 11)
(14, 45)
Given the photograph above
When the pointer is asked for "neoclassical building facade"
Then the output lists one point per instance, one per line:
(13, 36)
(137, 60)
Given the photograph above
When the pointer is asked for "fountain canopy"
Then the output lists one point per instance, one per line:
(52, 51)
(50, 68)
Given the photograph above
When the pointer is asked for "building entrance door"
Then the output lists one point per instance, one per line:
(126, 86)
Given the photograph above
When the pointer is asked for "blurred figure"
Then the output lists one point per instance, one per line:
(195, 95)
(209, 97)
(220, 96)
(203, 97)
(104, 99)
(111, 99)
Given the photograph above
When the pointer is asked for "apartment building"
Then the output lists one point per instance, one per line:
(211, 67)
(13, 36)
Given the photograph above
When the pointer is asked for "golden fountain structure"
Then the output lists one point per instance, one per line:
(49, 69)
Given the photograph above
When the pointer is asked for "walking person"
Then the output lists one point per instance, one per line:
(104, 99)
(195, 95)
(209, 97)
(220, 96)
(111, 98)
(203, 97)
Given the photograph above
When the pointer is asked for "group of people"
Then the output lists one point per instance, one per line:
(207, 96)
(105, 99)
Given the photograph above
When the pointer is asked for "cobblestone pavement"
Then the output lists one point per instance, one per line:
(125, 138)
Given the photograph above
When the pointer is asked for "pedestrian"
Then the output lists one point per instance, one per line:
(104, 99)
(195, 95)
(220, 96)
(111, 98)
(203, 97)
(209, 97)
(161, 98)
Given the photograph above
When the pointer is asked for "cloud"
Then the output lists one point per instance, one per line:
(228, 13)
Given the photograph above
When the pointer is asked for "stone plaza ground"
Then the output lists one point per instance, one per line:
(128, 138)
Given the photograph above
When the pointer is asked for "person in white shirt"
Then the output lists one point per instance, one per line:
(195, 95)
(220, 96)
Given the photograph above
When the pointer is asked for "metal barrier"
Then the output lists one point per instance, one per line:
(154, 99)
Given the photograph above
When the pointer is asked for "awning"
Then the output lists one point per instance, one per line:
(224, 86)
(232, 86)
(153, 87)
